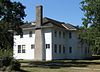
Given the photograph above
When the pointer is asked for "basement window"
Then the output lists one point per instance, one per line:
(47, 46)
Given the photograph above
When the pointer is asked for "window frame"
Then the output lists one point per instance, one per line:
(32, 46)
(55, 48)
(64, 49)
(23, 49)
(55, 33)
(70, 49)
(47, 46)
(21, 36)
(70, 35)
(30, 33)
(59, 48)
(59, 34)
(19, 49)
(63, 34)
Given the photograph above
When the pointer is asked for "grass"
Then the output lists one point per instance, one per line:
(62, 69)
(90, 65)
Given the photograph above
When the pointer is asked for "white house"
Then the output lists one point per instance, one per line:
(48, 39)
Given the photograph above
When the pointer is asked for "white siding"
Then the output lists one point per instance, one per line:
(73, 42)
(59, 41)
(78, 52)
(27, 41)
(48, 40)
(49, 34)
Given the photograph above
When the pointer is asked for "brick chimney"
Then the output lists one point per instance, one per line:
(39, 51)
(39, 15)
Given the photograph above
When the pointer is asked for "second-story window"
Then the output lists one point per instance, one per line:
(21, 35)
(63, 34)
(55, 33)
(30, 34)
(32, 46)
(70, 35)
(59, 34)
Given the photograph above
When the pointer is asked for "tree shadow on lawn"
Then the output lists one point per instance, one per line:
(56, 64)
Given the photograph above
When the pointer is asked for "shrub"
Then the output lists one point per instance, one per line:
(15, 65)
(9, 63)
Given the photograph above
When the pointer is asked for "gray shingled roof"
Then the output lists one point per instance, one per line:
(70, 26)
(54, 22)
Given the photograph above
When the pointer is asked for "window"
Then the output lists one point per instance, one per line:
(30, 34)
(19, 48)
(55, 33)
(32, 46)
(63, 49)
(59, 48)
(23, 48)
(47, 46)
(55, 48)
(21, 36)
(59, 33)
(70, 49)
(63, 34)
(70, 35)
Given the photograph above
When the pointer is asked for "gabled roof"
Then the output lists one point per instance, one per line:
(46, 22)
(28, 25)
(69, 26)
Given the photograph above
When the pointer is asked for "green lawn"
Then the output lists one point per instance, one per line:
(62, 66)
(92, 68)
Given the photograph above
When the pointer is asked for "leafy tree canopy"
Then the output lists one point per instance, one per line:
(90, 33)
(11, 16)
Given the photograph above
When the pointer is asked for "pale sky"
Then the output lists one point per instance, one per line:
(67, 11)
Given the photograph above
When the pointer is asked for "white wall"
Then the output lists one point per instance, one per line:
(73, 42)
(77, 51)
(48, 40)
(59, 41)
(26, 40)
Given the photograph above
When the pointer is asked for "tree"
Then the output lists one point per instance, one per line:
(90, 33)
(11, 16)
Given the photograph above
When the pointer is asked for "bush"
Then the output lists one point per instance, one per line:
(8, 63)
(15, 65)
(5, 61)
